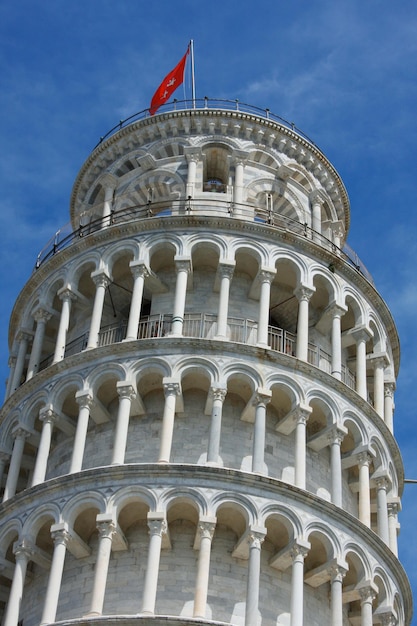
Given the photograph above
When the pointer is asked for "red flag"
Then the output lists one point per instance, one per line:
(169, 85)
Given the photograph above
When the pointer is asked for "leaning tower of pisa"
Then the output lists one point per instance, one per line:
(198, 423)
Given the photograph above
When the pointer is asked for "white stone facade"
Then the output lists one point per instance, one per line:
(198, 424)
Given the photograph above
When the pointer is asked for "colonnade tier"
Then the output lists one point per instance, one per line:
(292, 302)
(226, 154)
(246, 532)
(205, 407)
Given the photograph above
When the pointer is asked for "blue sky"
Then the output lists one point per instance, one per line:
(344, 71)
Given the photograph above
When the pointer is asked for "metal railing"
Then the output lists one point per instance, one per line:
(204, 326)
(65, 236)
(206, 103)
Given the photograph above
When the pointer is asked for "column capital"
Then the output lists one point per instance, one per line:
(157, 524)
(380, 359)
(41, 315)
(192, 153)
(299, 549)
(389, 389)
(394, 506)
(226, 268)
(206, 529)
(20, 431)
(84, 398)
(336, 310)
(172, 387)
(361, 333)
(182, 263)
(337, 570)
(261, 397)
(336, 434)
(106, 526)
(47, 414)
(256, 536)
(388, 618)
(267, 274)
(125, 390)
(139, 268)
(239, 157)
(66, 293)
(100, 278)
(218, 393)
(364, 458)
(304, 293)
(24, 334)
(317, 197)
(368, 591)
(23, 549)
(60, 533)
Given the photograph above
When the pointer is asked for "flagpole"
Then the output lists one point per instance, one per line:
(192, 72)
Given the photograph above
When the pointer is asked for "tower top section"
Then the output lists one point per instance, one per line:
(239, 155)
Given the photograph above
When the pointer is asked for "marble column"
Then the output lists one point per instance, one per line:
(172, 389)
(302, 415)
(60, 535)
(266, 276)
(23, 552)
(67, 297)
(126, 393)
(335, 439)
(379, 364)
(337, 575)
(183, 268)
(20, 435)
(364, 461)
(193, 156)
(239, 159)
(226, 270)
(382, 508)
(48, 418)
(157, 528)
(218, 395)
(393, 508)
(255, 540)
(298, 554)
(303, 295)
(84, 399)
(42, 317)
(367, 596)
(389, 389)
(316, 200)
(106, 529)
(361, 336)
(109, 183)
(261, 399)
(206, 531)
(101, 281)
(140, 272)
(23, 338)
(337, 312)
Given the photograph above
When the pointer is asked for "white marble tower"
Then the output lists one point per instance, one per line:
(198, 424)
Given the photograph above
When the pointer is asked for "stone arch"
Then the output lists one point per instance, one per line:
(42, 517)
(237, 511)
(288, 519)
(79, 504)
(132, 494)
(357, 434)
(151, 187)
